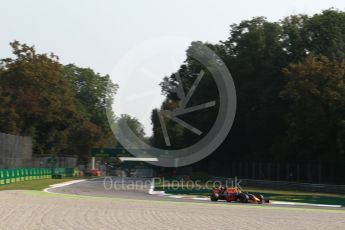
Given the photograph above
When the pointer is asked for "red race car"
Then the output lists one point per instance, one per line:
(235, 194)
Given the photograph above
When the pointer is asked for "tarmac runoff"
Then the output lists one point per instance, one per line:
(161, 195)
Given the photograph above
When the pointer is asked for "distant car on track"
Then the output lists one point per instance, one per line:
(235, 194)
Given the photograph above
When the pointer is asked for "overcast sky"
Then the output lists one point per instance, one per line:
(137, 42)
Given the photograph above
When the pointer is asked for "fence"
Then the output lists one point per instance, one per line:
(324, 188)
(15, 151)
(308, 172)
(315, 172)
(9, 176)
(61, 161)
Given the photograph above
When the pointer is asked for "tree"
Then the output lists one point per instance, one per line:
(134, 125)
(294, 37)
(93, 93)
(41, 102)
(63, 108)
(324, 34)
(256, 56)
(256, 53)
(316, 91)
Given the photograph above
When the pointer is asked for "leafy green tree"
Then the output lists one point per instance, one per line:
(324, 34)
(256, 56)
(316, 124)
(61, 107)
(294, 37)
(93, 93)
(203, 119)
(321, 34)
(41, 101)
(256, 53)
(134, 124)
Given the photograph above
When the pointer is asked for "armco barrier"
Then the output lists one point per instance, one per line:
(308, 187)
(9, 176)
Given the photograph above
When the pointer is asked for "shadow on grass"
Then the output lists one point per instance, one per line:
(277, 195)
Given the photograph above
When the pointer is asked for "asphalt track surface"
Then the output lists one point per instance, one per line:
(88, 205)
(137, 188)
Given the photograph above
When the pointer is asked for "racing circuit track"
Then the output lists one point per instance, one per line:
(88, 205)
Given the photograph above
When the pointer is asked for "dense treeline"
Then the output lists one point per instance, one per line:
(289, 77)
(61, 107)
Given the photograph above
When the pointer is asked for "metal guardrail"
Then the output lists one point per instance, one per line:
(308, 187)
(9, 176)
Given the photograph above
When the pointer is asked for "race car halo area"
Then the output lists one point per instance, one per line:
(90, 204)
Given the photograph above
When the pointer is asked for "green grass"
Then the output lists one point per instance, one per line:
(35, 184)
(272, 194)
(303, 197)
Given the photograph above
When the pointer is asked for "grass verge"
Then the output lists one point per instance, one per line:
(35, 184)
(272, 194)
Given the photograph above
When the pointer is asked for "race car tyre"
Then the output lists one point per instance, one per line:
(243, 198)
(251, 196)
(214, 198)
(261, 198)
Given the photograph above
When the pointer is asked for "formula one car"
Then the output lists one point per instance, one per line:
(235, 194)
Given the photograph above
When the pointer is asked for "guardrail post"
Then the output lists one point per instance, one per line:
(2, 178)
(309, 176)
(320, 172)
(287, 175)
(261, 173)
(17, 173)
(240, 170)
(278, 171)
(298, 172)
(7, 177)
(13, 176)
(31, 172)
(253, 170)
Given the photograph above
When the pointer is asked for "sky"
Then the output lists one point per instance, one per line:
(136, 42)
